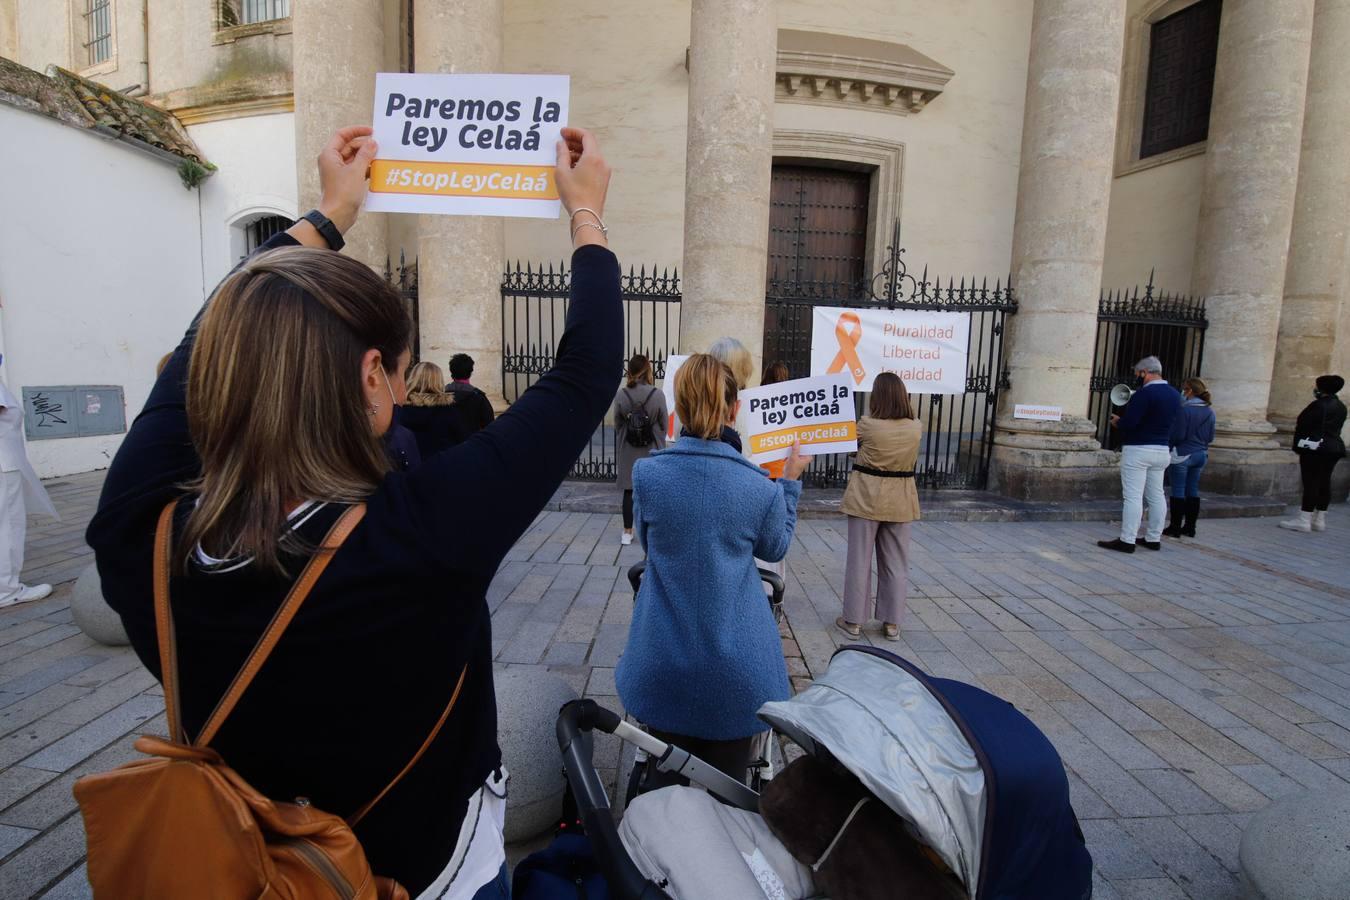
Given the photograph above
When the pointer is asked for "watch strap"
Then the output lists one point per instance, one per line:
(326, 229)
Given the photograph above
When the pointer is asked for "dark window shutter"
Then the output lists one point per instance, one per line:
(1182, 53)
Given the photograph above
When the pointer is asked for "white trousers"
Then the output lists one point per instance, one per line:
(13, 531)
(1141, 482)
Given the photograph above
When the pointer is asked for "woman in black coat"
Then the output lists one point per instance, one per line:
(432, 413)
(1318, 443)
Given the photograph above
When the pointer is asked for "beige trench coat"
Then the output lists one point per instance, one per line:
(892, 445)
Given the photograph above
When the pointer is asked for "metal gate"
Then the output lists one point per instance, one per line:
(1131, 326)
(958, 428)
(534, 312)
(404, 278)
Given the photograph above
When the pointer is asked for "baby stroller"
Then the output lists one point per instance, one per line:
(763, 763)
(971, 777)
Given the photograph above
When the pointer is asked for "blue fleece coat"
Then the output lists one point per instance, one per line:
(703, 651)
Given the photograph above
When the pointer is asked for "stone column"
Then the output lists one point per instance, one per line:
(1246, 210)
(460, 258)
(337, 47)
(733, 53)
(1315, 283)
(1059, 240)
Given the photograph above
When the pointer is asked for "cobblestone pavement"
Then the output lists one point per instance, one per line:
(1184, 689)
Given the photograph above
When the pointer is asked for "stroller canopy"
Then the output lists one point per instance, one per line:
(979, 783)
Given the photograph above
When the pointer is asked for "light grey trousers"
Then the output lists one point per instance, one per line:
(891, 542)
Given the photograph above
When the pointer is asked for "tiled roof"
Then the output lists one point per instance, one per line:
(82, 103)
(132, 117)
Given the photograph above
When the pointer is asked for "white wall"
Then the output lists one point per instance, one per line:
(100, 269)
(255, 161)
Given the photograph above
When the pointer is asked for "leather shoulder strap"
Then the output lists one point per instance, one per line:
(164, 633)
(289, 607)
(436, 729)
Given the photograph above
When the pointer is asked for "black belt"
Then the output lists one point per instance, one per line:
(883, 473)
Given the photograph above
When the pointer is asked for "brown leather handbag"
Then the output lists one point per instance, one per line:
(184, 824)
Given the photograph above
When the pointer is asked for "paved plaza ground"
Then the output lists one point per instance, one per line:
(1184, 690)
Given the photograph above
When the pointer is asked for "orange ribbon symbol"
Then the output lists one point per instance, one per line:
(848, 331)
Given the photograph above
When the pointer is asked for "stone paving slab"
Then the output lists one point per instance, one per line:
(1184, 690)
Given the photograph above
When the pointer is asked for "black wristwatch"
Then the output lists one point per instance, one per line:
(326, 228)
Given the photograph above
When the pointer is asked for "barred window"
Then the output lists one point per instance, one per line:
(259, 230)
(251, 12)
(98, 30)
(1183, 49)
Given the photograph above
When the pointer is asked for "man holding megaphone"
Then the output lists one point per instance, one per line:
(1145, 426)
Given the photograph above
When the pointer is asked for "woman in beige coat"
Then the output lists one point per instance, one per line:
(880, 502)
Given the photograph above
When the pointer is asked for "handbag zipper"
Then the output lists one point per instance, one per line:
(317, 860)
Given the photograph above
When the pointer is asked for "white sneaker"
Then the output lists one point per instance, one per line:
(1303, 523)
(27, 595)
(1319, 520)
(627, 538)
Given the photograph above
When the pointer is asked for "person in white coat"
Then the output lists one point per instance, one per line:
(20, 489)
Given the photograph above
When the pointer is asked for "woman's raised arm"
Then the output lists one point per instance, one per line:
(157, 454)
(480, 496)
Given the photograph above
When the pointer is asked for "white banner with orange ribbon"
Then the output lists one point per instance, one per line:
(926, 349)
(817, 412)
(467, 145)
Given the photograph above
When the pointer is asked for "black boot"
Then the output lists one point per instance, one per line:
(1178, 506)
(1192, 513)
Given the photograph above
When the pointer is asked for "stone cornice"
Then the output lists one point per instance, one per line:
(831, 69)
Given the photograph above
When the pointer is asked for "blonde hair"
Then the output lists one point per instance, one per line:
(732, 352)
(275, 403)
(426, 386)
(705, 393)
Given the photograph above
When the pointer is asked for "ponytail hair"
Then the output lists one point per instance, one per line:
(705, 393)
(639, 370)
(1198, 388)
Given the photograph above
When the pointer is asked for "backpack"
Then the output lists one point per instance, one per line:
(638, 423)
(184, 824)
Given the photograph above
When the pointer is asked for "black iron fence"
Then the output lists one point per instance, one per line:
(534, 312)
(404, 278)
(1132, 325)
(957, 439)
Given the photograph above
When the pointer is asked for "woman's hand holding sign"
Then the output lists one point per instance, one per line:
(796, 463)
(582, 176)
(343, 168)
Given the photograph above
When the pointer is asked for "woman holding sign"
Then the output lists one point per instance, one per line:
(260, 443)
(880, 502)
(703, 650)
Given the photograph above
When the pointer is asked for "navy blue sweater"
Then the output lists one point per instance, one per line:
(367, 666)
(1193, 430)
(1149, 415)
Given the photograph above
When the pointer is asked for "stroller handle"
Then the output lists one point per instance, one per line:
(576, 718)
(772, 579)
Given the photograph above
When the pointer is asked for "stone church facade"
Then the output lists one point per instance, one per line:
(1074, 146)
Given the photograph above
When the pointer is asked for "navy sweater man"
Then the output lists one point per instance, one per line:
(1145, 427)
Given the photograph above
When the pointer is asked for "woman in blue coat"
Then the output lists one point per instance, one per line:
(703, 650)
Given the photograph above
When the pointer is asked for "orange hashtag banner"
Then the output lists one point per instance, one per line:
(833, 433)
(439, 179)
